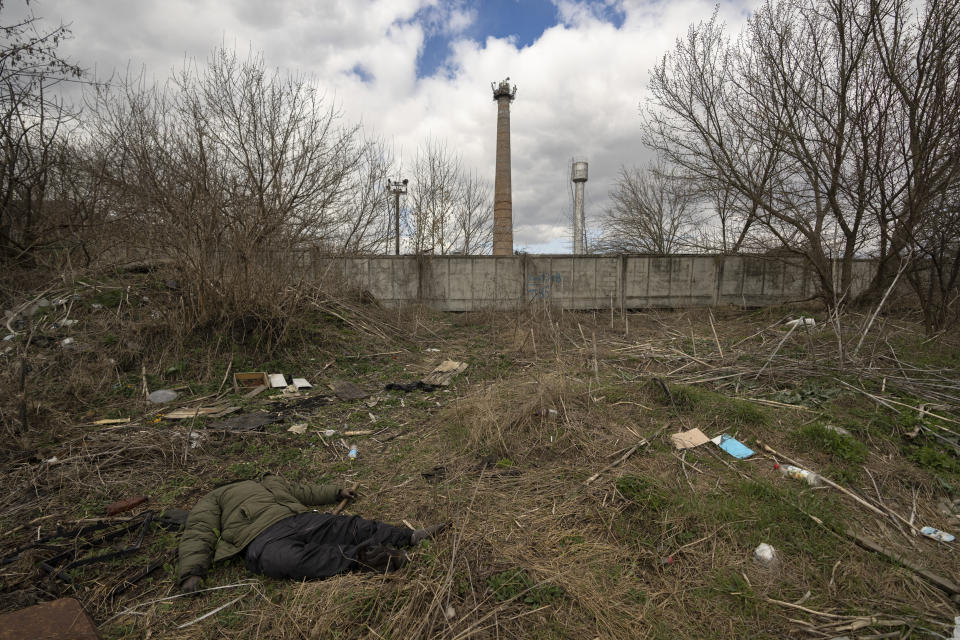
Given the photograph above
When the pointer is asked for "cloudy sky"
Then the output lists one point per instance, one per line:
(416, 69)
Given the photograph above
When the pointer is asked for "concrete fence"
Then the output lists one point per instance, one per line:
(469, 283)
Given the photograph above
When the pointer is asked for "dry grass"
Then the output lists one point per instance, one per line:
(535, 551)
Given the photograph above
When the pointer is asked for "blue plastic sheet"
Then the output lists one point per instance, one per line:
(733, 446)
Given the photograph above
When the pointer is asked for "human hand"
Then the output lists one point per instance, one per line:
(346, 494)
(191, 584)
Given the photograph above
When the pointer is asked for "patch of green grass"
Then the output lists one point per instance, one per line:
(726, 410)
(517, 583)
(935, 458)
(812, 392)
(819, 436)
(643, 493)
(243, 470)
(107, 297)
(741, 599)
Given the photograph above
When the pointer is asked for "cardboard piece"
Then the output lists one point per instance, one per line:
(301, 383)
(445, 372)
(196, 412)
(689, 439)
(249, 379)
(62, 619)
(346, 390)
(733, 446)
(277, 381)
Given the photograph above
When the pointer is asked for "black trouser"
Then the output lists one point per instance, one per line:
(318, 545)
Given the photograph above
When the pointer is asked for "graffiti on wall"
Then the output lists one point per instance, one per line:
(539, 284)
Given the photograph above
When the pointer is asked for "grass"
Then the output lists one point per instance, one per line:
(516, 584)
(726, 411)
(821, 437)
(534, 552)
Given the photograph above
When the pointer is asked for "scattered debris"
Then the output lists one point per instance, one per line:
(836, 429)
(250, 379)
(766, 555)
(797, 473)
(291, 391)
(549, 414)
(196, 439)
(62, 619)
(346, 390)
(445, 372)
(250, 422)
(433, 350)
(255, 391)
(112, 421)
(125, 505)
(161, 396)
(732, 446)
(301, 383)
(67, 343)
(407, 387)
(308, 403)
(298, 428)
(936, 534)
(363, 432)
(689, 439)
(435, 475)
(800, 322)
(277, 381)
(187, 413)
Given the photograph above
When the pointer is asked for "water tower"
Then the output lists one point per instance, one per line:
(578, 174)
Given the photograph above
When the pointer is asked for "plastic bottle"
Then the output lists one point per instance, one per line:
(353, 452)
(790, 471)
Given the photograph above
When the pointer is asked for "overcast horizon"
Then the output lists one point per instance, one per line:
(410, 70)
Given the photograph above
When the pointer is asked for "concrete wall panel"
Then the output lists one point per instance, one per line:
(463, 283)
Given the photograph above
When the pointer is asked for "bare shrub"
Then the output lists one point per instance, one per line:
(235, 173)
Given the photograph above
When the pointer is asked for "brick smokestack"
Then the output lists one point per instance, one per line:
(504, 94)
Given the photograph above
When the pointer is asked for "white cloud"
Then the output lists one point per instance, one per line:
(580, 83)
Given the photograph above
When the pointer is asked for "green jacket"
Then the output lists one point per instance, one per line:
(228, 518)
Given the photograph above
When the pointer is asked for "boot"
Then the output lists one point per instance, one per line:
(419, 535)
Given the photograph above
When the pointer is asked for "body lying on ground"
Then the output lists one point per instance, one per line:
(271, 523)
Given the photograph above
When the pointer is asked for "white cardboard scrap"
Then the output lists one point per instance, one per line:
(689, 439)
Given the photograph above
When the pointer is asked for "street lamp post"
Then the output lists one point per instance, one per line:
(397, 188)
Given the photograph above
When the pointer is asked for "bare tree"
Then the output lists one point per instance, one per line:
(368, 210)
(33, 121)
(473, 215)
(650, 212)
(233, 171)
(919, 54)
(450, 209)
(829, 126)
